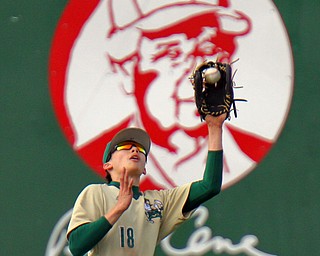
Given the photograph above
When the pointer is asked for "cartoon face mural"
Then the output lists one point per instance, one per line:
(116, 64)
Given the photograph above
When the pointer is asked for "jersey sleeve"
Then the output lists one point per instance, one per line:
(87, 208)
(210, 185)
(173, 200)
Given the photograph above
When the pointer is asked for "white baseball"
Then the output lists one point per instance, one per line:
(212, 75)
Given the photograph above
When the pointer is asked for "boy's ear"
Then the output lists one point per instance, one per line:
(107, 166)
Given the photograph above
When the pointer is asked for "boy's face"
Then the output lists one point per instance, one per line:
(132, 160)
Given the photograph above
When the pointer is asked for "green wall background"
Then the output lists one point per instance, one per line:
(41, 175)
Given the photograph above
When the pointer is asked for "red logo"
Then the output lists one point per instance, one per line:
(116, 64)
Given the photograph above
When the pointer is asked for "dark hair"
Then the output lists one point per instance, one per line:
(108, 177)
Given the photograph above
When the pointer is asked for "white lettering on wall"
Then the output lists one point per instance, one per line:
(57, 244)
(201, 241)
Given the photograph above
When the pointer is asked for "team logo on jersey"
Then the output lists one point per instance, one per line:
(154, 210)
(116, 64)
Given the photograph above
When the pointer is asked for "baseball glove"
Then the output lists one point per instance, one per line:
(213, 89)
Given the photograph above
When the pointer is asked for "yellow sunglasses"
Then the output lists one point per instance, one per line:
(128, 145)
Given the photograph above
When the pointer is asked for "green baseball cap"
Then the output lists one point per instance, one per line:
(129, 134)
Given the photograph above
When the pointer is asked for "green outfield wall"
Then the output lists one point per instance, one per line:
(273, 210)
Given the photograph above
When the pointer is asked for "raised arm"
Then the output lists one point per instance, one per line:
(215, 132)
(210, 185)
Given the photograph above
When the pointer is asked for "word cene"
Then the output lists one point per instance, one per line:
(201, 241)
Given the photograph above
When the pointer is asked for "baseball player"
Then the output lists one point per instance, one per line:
(116, 218)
